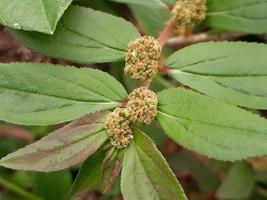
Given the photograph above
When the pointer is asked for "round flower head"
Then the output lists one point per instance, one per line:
(142, 58)
(142, 105)
(117, 126)
(189, 12)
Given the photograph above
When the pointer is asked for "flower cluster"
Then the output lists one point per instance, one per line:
(187, 13)
(140, 108)
(142, 58)
(142, 105)
(118, 128)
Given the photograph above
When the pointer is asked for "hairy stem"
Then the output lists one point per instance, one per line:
(147, 83)
(202, 37)
(166, 33)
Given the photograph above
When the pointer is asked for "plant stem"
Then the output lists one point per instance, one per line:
(202, 37)
(16, 189)
(147, 83)
(166, 33)
(186, 31)
(16, 132)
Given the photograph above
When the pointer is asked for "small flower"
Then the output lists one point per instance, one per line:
(118, 128)
(189, 12)
(142, 105)
(142, 58)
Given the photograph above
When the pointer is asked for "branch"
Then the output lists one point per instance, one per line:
(16, 132)
(202, 37)
(166, 33)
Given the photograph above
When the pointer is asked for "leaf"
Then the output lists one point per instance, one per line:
(148, 3)
(111, 169)
(99, 172)
(146, 174)
(169, 1)
(211, 127)
(53, 186)
(238, 184)
(235, 72)
(238, 15)
(63, 148)
(42, 94)
(89, 174)
(102, 5)
(32, 15)
(155, 132)
(150, 19)
(97, 37)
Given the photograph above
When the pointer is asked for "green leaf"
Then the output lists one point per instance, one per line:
(238, 184)
(147, 3)
(151, 20)
(89, 174)
(146, 174)
(111, 169)
(32, 15)
(83, 36)
(238, 15)
(63, 148)
(99, 172)
(102, 5)
(235, 72)
(53, 186)
(42, 94)
(211, 127)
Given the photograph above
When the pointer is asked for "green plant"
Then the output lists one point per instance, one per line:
(106, 127)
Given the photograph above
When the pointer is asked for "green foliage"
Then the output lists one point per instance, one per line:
(98, 37)
(238, 15)
(148, 3)
(63, 148)
(32, 15)
(151, 20)
(146, 171)
(89, 174)
(111, 169)
(211, 127)
(231, 71)
(53, 186)
(41, 94)
(239, 182)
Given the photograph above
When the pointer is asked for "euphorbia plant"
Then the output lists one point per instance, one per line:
(106, 122)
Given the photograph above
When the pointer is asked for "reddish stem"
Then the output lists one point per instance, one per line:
(123, 104)
(169, 7)
(166, 33)
(165, 70)
(16, 132)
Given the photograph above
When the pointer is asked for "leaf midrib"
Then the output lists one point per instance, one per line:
(102, 44)
(46, 17)
(210, 124)
(173, 70)
(219, 84)
(58, 97)
(222, 147)
(64, 146)
(140, 160)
